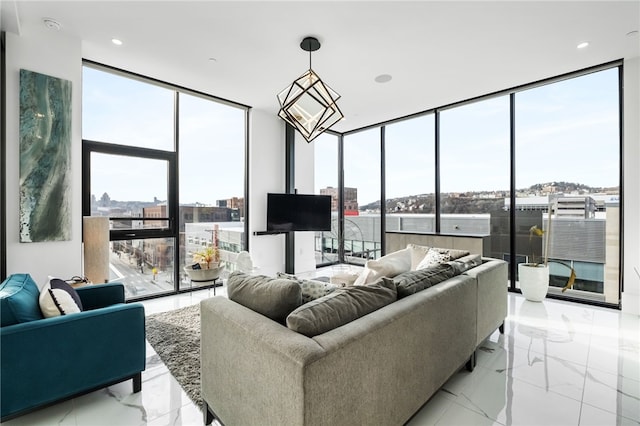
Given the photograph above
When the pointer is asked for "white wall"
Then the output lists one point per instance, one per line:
(631, 165)
(51, 53)
(266, 174)
(305, 259)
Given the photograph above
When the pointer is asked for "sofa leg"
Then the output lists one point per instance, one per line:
(501, 328)
(208, 414)
(137, 383)
(471, 364)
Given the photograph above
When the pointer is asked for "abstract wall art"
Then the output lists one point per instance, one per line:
(45, 158)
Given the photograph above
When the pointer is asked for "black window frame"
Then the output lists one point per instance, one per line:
(511, 92)
(172, 157)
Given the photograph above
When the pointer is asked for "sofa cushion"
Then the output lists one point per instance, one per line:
(418, 253)
(387, 266)
(412, 282)
(19, 300)
(274, 298)
(311, 289)
(58, 298)
(341, 307)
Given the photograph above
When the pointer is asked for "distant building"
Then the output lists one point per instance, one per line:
(350, 199)
(233, 203)
(582, 206)
(190, 214)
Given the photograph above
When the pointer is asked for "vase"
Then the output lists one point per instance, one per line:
(534, 281)
(203, 275)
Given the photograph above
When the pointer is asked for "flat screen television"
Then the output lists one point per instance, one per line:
(298, 212)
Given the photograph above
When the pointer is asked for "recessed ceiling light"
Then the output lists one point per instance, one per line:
(383, 78)
(583, 45)
(52, 23)
(116, 41)
(212, 59)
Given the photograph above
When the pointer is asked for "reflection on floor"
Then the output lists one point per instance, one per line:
(558, 363)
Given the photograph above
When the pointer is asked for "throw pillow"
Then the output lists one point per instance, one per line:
(341, 307)
(453, 253)
(433, 257)
(412, 282)
(311, 289)
(58, 298)
(274, 298)
(19, 300)
(417, 254)
(465, 263)
(387, 266)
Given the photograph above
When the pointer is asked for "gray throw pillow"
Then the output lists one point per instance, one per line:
(465, 263)
(271, 297)
(341, 307)
(412, 282)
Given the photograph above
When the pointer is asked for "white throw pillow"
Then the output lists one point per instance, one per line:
(417, 254)
(432, 258)
(58, 298)
(387, 266)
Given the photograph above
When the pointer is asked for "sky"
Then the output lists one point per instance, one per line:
(124, 111)
(565, 131)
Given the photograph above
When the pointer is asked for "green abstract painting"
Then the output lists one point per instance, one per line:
(45, 158)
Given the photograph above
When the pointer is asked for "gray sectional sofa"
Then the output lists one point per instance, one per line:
(377, 369)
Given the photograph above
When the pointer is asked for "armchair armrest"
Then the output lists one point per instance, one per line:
(101, 295)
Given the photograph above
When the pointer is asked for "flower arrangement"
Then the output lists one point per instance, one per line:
(206, 256)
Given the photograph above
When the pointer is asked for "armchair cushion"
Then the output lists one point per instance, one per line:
(19, 300)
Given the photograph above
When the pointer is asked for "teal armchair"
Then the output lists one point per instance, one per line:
(47, 360)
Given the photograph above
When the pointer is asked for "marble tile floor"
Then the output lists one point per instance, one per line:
(558, 363)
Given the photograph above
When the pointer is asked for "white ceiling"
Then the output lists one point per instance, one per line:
(437, 52)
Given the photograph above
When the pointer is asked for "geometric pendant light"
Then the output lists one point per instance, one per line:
(308, 104)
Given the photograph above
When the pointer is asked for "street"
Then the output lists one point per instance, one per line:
(138, 281)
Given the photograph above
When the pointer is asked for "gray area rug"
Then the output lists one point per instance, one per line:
(175, 336)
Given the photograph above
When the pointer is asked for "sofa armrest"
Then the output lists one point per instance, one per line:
(492, 282)
(101, 295)
(54, 358)
(242, 350)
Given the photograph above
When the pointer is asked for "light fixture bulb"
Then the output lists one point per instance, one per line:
(116, 41)
(583, 45)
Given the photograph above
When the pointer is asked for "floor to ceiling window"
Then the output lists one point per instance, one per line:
(211, 164)
(551, 145)
(325, 149)
(568, 161)
(475, 172)
(410, 175)
(135, 164)
(362, 231)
